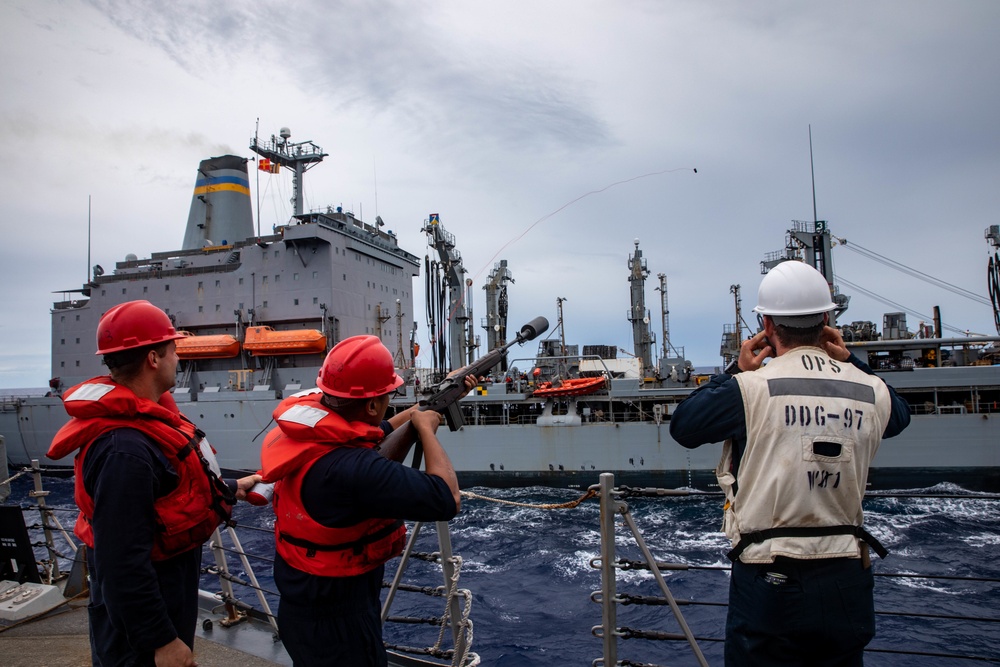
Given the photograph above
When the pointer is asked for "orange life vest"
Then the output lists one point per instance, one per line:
(186, 516)
(306, 431)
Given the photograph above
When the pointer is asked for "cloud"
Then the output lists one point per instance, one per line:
(385, 57)
(498, 115)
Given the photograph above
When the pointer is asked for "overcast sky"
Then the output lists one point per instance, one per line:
(495, 115)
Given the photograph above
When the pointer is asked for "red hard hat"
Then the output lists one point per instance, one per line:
(133, 324)
(358, 367)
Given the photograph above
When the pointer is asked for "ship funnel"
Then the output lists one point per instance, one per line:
(220, 207)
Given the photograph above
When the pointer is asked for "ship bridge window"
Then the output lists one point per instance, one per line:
(315, 274)
(295, 302)
(77, 318)
(123, 291)
(275, 253)
(295, 276)
(104, 292)
(277, 278)
(315, 299)
(217, 283)
(77, 363)
(77, 341)
(218, 307)
(145, 288)
(62, 364)
(265, 304)
(62, 341)
(263, 279)
(166, 288)
(241, 281)
(200, 284)
(201, 309)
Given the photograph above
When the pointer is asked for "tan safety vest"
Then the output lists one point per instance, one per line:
(813, 427)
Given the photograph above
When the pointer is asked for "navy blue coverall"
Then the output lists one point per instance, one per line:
(136, 605)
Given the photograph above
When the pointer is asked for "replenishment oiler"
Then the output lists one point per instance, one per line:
(261, 311)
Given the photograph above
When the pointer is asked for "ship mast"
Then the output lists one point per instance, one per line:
(810, 242)
(732, 334)
(638, 315)
(280, 152)
(665, 315)
(457, 316)
(495, 322)
(400, 358)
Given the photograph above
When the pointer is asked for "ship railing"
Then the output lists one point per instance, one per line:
(454, 646)
(457, 602)
(595, 416)
(165, 273)
(236, 610)
(613, 505)
(56, 541)
(10, 403)
(368, 234)
(968, 407)
(609, 631)
(457, 605)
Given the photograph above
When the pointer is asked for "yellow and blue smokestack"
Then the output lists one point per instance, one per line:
(220, 207)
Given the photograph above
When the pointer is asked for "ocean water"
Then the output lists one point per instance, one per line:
(530, 575)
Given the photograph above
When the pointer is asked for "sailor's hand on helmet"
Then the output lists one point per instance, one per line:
(426, 420)
(244, 484)
(754, 351)
(833, 343)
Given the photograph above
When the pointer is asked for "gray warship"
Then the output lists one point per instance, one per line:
(262, 310)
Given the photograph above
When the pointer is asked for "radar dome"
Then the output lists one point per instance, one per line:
(285, 132)
(131, 257)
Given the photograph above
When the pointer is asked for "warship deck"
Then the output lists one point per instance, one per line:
(61, 639)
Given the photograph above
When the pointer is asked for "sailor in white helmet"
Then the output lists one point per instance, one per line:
(800, 433)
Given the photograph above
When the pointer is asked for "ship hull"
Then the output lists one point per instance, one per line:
(962, 449)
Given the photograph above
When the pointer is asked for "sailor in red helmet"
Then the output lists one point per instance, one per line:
(148, 488)
(339, 503)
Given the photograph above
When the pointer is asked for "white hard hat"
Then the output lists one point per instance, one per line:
(791, 292)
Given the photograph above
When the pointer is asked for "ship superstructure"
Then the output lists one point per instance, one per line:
(261, 309)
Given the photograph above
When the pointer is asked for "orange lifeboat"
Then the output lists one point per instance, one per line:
(571, 387)
(265, 341)
(210, 346)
